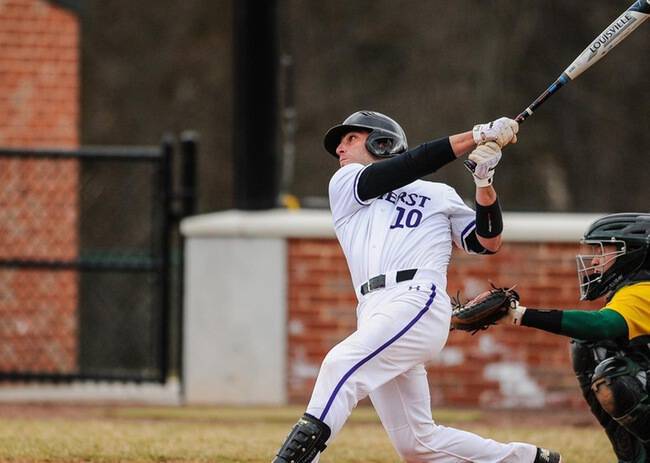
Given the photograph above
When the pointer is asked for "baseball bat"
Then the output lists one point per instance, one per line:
(614, 34)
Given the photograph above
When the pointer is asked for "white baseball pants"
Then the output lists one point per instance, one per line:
(399, 329)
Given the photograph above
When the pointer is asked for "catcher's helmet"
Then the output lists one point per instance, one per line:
(386, 138)
(630, 234)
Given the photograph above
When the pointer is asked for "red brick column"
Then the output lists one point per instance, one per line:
(492, 369)
(39, 87)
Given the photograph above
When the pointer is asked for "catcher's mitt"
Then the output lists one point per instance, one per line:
(484, 310)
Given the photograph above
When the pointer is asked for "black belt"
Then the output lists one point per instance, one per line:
(380, 280)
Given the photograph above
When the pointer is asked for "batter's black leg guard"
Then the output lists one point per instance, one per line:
(547, 456)
(305, 440)
(619, 384)
(586, 356)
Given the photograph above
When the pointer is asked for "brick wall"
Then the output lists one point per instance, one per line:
(39, 87)
(505, 366)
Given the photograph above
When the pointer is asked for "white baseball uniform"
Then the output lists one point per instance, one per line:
(402, 325)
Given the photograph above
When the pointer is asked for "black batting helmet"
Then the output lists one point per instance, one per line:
(630, 234)
(386, 138)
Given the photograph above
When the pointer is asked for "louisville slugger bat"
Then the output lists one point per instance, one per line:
(618, 30)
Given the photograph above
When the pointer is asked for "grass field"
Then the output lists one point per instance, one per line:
(49, 433)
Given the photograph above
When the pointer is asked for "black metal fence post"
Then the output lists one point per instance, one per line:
(189, 150)
(167, 150)
(255, 120)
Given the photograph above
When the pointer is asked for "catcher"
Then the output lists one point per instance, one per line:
(611, 346)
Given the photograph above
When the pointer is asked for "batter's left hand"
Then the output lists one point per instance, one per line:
(502, 131)
(485, 157)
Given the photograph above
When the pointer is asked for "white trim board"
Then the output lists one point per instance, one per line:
(282, 223)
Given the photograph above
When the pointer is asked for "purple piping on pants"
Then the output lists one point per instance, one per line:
(377, 351)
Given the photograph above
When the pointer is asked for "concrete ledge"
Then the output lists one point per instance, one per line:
(282, 223)
(275, 223)
(546, 227)
(159, 394)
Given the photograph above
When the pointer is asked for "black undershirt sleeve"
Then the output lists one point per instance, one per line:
(547, 320)
(578, 324)
(381, 177)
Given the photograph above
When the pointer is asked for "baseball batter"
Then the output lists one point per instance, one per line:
(396, 232)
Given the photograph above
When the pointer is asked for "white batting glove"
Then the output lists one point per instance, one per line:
(485, 157)
(502, 131)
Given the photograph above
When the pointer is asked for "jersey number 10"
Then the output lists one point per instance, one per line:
(412, 220)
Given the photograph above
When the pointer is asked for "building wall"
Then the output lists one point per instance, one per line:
(504, 366)
(39, 82)
(39, 87)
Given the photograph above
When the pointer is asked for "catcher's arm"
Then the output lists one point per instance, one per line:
(578, 324)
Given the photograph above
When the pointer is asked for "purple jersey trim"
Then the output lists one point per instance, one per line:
(463, 235)
(355, 187)
(377, 351)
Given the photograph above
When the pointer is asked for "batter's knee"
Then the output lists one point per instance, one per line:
(409, 442)
(413, 452)
(335, 364)
(619, 385)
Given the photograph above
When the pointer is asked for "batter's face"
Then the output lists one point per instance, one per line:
(352, 149)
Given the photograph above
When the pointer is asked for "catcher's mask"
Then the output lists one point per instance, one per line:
(619, 249)
(386, 137)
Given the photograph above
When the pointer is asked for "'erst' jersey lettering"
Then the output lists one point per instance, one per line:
(409, 228)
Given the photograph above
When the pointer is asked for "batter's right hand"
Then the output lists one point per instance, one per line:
(502, 131)
(485, 158)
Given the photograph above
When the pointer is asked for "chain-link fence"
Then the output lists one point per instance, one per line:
(85, 264)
